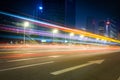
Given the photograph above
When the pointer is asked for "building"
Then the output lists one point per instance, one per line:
(111, 29)
(70, 13)
(108, 28)
(61, 12)
(91, 24)
(101, 27)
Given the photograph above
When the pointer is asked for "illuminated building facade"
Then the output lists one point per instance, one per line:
(101, 27)
(108, 28)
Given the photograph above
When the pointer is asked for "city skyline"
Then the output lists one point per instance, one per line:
(101, 9)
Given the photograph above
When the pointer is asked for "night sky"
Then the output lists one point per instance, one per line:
(100, 9)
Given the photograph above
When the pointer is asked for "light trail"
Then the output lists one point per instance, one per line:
(45, 24)
(37, 32)
(41, 33)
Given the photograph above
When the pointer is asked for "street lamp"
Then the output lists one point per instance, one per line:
(71, 34)
(40, 8)
(97, 40)
(81, 36)
(26, 24)
(54, 31)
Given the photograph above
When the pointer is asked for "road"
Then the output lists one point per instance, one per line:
(59, 64)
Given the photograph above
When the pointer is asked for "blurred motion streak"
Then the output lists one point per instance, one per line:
(49, 25)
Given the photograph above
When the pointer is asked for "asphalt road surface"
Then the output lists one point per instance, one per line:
(35, 64)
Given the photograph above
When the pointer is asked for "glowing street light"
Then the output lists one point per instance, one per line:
(81, 36)
(54, 31)
(97, 38)
(71, 34)
(40, 7)
(26, 24)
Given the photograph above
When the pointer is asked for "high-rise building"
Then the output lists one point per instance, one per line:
(108, 28)
(111, 29)
(101, 27)
(70, 12)
(91, 24)
(58, 11)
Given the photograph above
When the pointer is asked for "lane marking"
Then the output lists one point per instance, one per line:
(76, 67)
(118, 78)
(25, 59)
(25, 66)
(55, 56)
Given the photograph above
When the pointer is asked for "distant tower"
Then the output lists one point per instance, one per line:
(91, 24)
(70, 12)
(101, 27)
(111, 28)
(108, 28)
(107, 25)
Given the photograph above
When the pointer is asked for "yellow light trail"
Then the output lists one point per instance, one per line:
(75, 31)
(81, 32)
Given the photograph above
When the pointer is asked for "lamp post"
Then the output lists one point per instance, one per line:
(97, 39)
(81, 36)
(71, 34)
(54, 31)
(65, 39)
(26, 24)
(40, 8)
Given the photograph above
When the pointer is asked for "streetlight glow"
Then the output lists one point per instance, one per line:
(97, 38)
(55, 31)
(40, 7)
(71, 34)
(26, 24)
(81, 36)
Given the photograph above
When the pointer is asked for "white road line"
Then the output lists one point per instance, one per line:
(55, 56)
(118, 78)
(19, 67)
(76, 67)
(25, 59)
